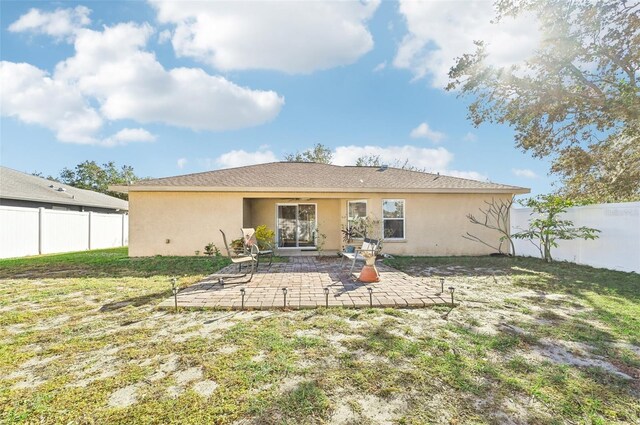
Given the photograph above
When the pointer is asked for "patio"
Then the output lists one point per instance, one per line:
(305, 280)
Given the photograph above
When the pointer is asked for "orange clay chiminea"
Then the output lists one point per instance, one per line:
(369, 272)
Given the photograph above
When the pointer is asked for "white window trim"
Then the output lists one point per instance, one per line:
(349, 201)
(297, 204)
(404, 219)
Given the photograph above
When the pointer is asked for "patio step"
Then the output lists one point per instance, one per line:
(305, 253)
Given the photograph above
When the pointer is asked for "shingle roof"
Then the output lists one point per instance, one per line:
(17, 185)
(314, 177)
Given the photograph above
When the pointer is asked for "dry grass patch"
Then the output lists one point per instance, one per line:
(529, 343)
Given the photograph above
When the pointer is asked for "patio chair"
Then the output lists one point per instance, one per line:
(242, 258)
(371, 245)
(249, 239)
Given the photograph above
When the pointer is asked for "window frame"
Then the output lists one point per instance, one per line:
(404, 219)
(366, 212)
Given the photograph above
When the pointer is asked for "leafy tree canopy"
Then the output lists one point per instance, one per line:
(91, 176)
(319, 153)
(577, 99)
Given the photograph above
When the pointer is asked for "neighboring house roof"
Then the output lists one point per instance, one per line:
(315, 177)
(26, 187)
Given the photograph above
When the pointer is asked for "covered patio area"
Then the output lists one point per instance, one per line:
(310, 282)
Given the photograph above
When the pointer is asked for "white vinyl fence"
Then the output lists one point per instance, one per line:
(33, 231)
(618, 245)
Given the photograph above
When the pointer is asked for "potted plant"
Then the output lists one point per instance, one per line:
(348, 234)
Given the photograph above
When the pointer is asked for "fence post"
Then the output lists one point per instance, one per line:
(40, 229)
(123, 229)
(90, 217)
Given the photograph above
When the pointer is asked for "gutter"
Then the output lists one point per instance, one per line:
(68, 202)
(133, 188)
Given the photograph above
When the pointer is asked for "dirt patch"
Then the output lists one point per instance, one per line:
(228, 349)
(302, 333)
(290, 383)
(343, 415)
(205, 388)
(336, 341)
(29, 380)
(18, 328)
(96, 366)
(38, 362)
(124, 397)
(168, 364)
(48, 324)
(174, 391)
(188, 375)
(192, 325)
(382, 411)
(574, 354)
(365, 356)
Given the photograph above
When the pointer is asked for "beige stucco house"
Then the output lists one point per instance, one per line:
(307, 204)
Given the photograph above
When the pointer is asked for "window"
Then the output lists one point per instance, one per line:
(356, 210)
(393, 218)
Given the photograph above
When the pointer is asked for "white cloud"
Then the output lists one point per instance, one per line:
(164, 36)
(433, 160)
(470, 137)
(379, 67)
(441, 31)
(131, 84)
(128, 135)
(32, 96)
(60, 23)
(294, 37)
(239, 158)
(425, 132)
(429, 159)
(472, 175)
(181, 162)
(112, 70)
(524, 172)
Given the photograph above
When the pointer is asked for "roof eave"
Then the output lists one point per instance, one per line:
(73, 202)
(145, 188)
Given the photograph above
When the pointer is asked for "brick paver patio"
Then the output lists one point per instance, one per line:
(306, 279)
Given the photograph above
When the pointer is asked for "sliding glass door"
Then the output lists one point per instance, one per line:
(296, 224)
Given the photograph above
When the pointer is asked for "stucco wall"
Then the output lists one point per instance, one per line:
(434, 223)
(189, 220)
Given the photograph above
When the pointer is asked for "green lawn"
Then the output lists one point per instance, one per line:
(81, 341)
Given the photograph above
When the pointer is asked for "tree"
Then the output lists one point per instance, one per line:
(609, 172)
(494, 217)
(41, 175)
(319, 153)
(91, 176)
(376, 161)
(577, 99)
(547, 227)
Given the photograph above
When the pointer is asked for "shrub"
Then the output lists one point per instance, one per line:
(237, 245)
(211, 249)
(264, 236)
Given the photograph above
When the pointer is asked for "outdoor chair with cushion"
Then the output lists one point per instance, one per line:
(368, 245)
(249, 257)
(249, 239)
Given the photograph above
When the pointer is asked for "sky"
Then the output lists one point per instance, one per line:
(181, 87)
